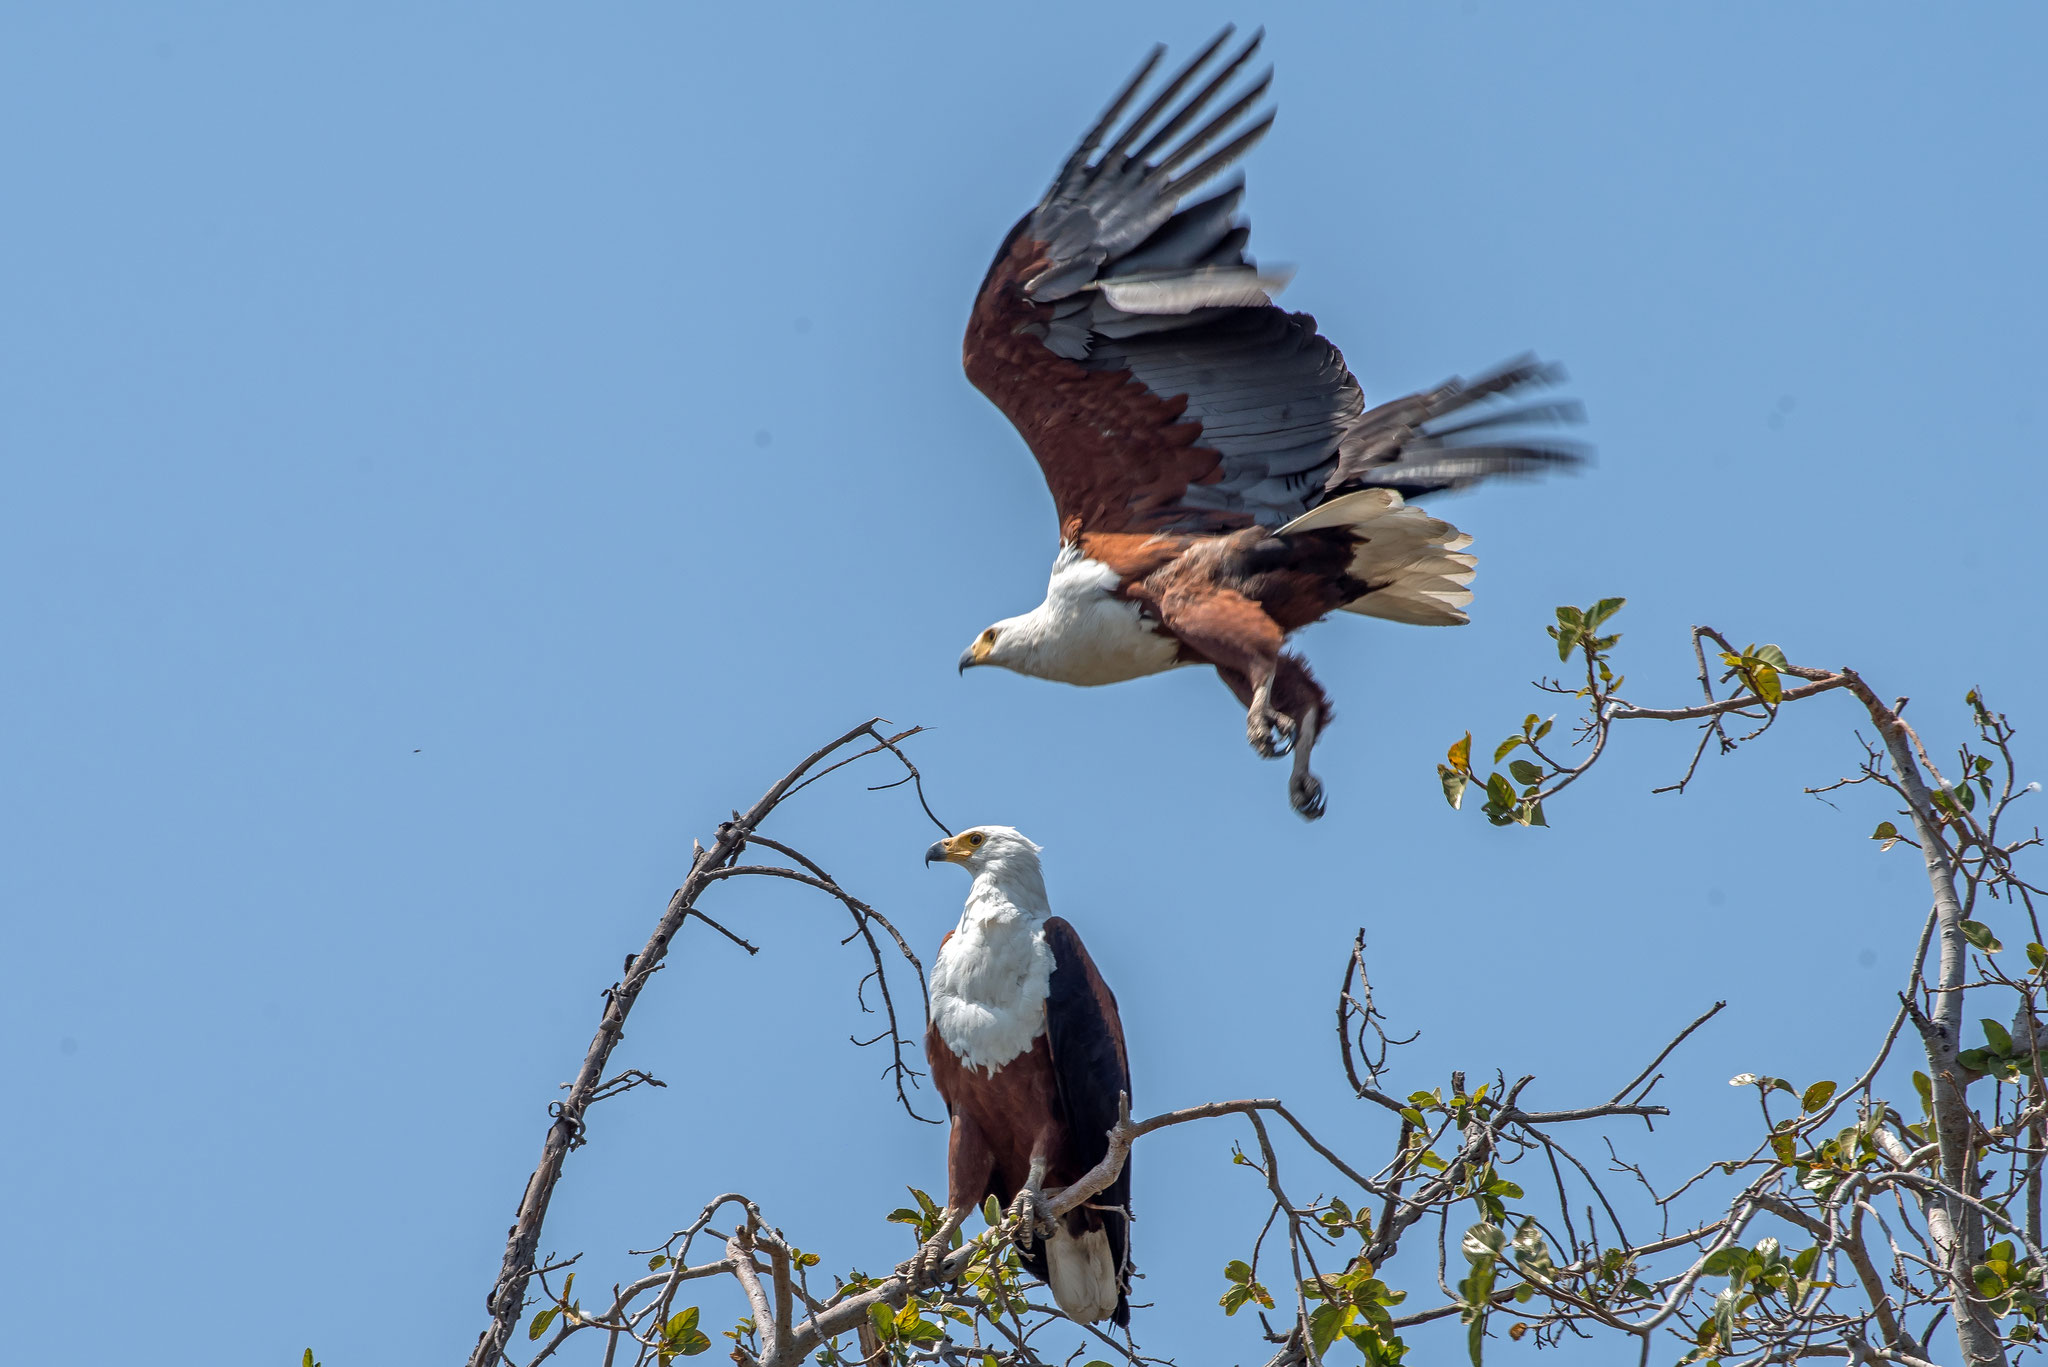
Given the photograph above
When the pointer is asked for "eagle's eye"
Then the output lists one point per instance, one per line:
(976, 838)
(988, 638)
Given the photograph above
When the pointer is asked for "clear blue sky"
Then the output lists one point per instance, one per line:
(453, 455)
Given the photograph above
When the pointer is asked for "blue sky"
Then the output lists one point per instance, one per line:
(452, 456)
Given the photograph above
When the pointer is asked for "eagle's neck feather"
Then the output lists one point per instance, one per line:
(991, 979)
(1085, 632)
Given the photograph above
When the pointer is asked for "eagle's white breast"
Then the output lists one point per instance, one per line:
(1083, 633)
(991, 979)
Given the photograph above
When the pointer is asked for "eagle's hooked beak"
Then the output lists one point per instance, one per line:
(978, 653)
(954, 849)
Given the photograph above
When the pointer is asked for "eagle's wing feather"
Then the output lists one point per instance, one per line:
(1086, 1038)
(1139, 353)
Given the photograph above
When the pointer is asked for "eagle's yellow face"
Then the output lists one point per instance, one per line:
(983, 647)
(956, 849)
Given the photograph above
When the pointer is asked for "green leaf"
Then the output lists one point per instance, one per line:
(1767, 685)
(657, 1262)
(1816, 1096)
(680, 1337)
(1500, 792)
(2037, 954)
(1500, 752)
(991, 1212)
(2001, 1042)
(307, 1360)
(1567, 639)
(1782, 1146)
(1603, 610)
(1326, 1321)
(1885, 831)
(1979, 934)
(542, 1321)
(915, 1328)
(1532, 1254)
(1454, 785)
(1570, 617)
(1237, 1270)
(1482, 1241)
(883, 1320)
(1526, 772)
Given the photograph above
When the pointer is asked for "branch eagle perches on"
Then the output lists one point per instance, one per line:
(721, 861)
(1852, 1228)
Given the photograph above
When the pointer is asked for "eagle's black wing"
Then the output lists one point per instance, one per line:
(1088, 1059)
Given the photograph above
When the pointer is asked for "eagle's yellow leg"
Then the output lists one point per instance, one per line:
(923, 1268)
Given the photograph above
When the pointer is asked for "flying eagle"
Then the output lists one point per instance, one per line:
(1026, 1049)
(1219, 480)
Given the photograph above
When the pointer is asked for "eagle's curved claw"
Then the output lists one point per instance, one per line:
(1026, 1219)
(923, 1268)
(1305, 791)
(1270, 732)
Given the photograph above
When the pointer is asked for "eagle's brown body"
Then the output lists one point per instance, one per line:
(1004, 1119)
(1027, 1050)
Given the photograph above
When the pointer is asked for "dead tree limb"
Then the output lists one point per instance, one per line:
(507, 1296)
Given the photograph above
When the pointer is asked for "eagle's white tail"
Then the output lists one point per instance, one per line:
(1412, 561)
(1081, 1273)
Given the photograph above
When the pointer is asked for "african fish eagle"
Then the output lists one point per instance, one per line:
(1219, 481)
(1026, 1049)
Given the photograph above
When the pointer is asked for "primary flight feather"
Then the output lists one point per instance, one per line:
(1219, 480)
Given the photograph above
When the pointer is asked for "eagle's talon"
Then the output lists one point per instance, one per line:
(1270, 732)
(1305, 791)
(923, 1268)
(1026, 1220)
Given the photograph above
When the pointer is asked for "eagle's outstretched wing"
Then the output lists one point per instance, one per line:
(1138, 350)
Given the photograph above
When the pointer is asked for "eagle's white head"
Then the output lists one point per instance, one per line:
(991, 850)
(1005, 868)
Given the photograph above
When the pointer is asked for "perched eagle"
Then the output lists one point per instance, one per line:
(1027, 1050)
(1219, 481)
